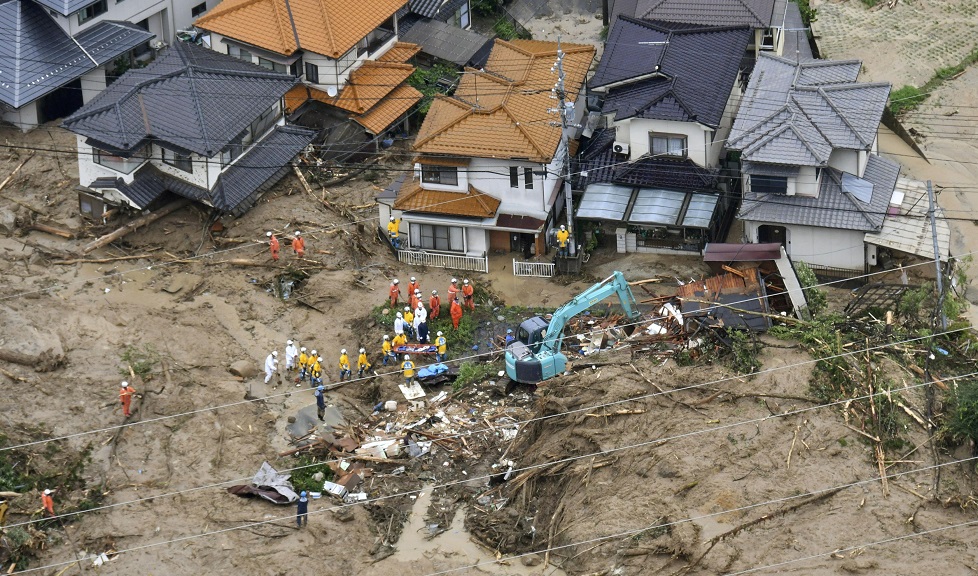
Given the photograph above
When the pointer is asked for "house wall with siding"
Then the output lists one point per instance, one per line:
(820, 246)
(92, 82)
(715, 149)
(159, 13)
(846, 160)
(491, 176)
(636, 131)
(199, 164)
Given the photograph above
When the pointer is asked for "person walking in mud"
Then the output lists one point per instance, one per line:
(125, 398)
(273, 245)
(302, 510)
(320, 394)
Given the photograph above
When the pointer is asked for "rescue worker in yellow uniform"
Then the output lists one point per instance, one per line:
(316, 371)
(344, 365)
(393, 231)
(399, 340)
(362, 363)
(562, 236)
(442, 347)
(387, 350)
(303, 364)
(408, 368)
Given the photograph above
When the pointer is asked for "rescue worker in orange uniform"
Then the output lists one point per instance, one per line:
(435, 304)
(453, 290)
(47, 502)
(273, 245)
(456, 313)
(414, 286)
(395, 292)
(415, 298)
(468, 293)
(125, 396)
(299, 245)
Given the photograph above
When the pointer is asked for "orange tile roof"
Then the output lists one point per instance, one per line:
(327, 27)
(390, 109)
(296, 97)
(472, 204)
(400, 52)
(369, 84)
(442, 160)
(502, 112)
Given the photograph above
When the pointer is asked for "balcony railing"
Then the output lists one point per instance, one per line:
(538, 269)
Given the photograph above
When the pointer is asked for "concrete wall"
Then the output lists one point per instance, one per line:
(92, 83)
(715, 149)
(26, 117)
(820, 246)
(845, 160)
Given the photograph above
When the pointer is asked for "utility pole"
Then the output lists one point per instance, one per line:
(932, 212)
(560, 94)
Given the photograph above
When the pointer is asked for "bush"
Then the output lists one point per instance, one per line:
(471, 372)
(307, 466)
(745, 350)
(906, 98)
(963, 421)
(485, 7)
(817, 301)
(141, 360)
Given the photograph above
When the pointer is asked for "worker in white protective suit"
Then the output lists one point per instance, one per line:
(421, 323)
(271, 365)
(291, 354)
(399, 324)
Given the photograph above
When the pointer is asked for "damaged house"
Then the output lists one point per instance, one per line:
(194, 123)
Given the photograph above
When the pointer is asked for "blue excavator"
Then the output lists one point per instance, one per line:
(535, 355)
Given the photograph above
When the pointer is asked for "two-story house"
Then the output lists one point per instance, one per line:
(777, 24)
(490, 159)
(806, 134)
(193, 123)
(667, 94)
(346, 53)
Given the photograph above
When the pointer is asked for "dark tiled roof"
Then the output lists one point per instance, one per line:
(687, 78)
(239, 185)
(834, 207)
(148, 184)
(190, 98)
(445, 41)
(36, 55)
(603, 165)
(108, 39)
(426, 8)
(65, 7)
(448, 9)
(754, 13)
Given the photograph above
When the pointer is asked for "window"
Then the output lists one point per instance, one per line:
(312, 73)
(245, 55)
(178, 160)
(463, 16)
(442, 238)
(767, 39)
(93, 11)
(761, 184)
(447, 175)
(528, 178)
(514, 177)
(296, 68)
(198, 9)
(117, 163)
(274, 66)
(668, 145)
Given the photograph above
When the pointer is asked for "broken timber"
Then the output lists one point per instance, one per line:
(133, 225)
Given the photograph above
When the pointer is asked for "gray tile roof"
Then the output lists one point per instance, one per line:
(65, 7)
(754, 13)
(190, 98)
(445, 41)
(687, 78)
(426, 8)
(240, 185)
(36, 55)
(108, 39)
(148, 184)
(797, 113)
(835, 207)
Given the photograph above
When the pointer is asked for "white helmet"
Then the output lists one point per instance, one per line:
(399, 315)
(320, 359)
(125, 384)
(303, 349)
(47, 492)
(407, 357)
(407, 308)
(269, 234)
(413, 279)
(314, 353)
(562, 227)
(466, 281)
(392, 218)
(417, 291)
(289, 342)
(363, 350)
(434, 292)
(386, 337)
(274, 352)
(396, 281)
(439, 332)
(454, 280)
(297, 233)
(343, 351)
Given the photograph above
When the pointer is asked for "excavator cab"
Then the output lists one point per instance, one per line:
(532, 332)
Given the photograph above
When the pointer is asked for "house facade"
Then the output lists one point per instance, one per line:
(487, 176)
(346, 53)
(193, 123)
(806, 136)
(666, 94)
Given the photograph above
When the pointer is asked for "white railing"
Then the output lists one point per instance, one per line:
(441, 260)
(541, 269)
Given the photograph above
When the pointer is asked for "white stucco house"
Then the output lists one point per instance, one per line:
(487, 175)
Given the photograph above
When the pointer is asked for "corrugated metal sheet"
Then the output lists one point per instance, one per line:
(910, 230)
(445, 41)
(699, 212)
(657, 207)
(723, 252)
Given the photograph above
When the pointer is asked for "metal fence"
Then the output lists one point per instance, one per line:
(831, 274)
(439, 260)
(540, 269)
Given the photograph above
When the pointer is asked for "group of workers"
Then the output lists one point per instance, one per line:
(458, 298)
(298, 244)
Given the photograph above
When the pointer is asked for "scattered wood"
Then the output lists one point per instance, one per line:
(51, 230)
(241, 262)
(133, 225)
(15, 171)
(734, 271)
(646, 281)
(100, 260)
(792, 448)
(785, 318)
(616, 413)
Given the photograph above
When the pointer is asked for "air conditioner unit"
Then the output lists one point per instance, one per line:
(620, 148)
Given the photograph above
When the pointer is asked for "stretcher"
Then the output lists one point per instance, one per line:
(416, 349)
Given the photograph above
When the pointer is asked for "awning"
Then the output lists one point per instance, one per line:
(108, 39)
(519, 222)
(908, 230)
(657, 207)
(699, 212)
(605, 202)
(472, 203)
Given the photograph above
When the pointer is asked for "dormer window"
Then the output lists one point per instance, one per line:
(445, 175)
(760, 184)
(767, 39)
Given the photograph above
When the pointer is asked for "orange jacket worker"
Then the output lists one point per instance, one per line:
(299, 244)
(456, 312)
(395, 292)
(435, 304)
(273, 245)
(47, 502)
(468, 292)
(125, 396)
